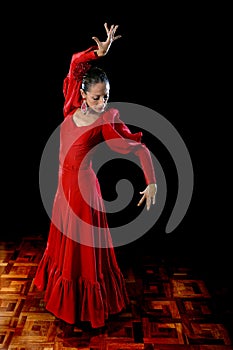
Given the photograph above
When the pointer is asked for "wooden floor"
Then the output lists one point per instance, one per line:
(171, 307)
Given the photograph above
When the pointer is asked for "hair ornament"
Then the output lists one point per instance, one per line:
(80, 70)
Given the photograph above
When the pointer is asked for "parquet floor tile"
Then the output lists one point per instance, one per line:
(171, 308)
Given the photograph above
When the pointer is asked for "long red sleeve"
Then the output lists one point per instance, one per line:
(73, 81)
(120, 139)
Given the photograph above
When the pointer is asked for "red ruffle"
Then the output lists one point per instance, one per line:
(81, 299)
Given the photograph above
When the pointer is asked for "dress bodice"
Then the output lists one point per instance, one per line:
(77, 143)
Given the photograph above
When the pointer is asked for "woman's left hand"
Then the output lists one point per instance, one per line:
(149, 195)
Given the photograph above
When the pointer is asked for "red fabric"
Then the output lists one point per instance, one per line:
(79, 271)
(120, 139)
(72, 82)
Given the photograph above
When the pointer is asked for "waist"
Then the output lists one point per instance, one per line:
(76, 166)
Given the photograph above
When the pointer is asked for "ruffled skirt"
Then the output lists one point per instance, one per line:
(79, 271)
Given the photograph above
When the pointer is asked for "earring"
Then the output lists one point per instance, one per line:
(84, 107)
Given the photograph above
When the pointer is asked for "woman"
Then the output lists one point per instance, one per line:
(78, 271)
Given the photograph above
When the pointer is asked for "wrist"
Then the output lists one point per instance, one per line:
(153, 185)
(100, 53)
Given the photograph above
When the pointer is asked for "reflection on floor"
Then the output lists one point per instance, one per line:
(171, 308)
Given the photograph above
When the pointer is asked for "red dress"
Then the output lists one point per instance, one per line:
(78, 271)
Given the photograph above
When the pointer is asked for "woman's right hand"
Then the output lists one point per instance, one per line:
(103, 46)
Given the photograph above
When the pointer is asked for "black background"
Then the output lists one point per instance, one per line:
(171, 58)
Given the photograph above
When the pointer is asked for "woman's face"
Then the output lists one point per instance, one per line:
(97, 96)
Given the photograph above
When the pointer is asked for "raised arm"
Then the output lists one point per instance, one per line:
(80, 63)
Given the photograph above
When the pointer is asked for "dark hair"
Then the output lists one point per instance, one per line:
(93, 76)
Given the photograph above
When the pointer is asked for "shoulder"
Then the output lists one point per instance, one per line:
(67, 123)
(111, 115)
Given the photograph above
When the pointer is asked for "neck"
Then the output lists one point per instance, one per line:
(91, 113)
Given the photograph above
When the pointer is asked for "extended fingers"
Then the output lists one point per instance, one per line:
(111, 31)
(115, 28)
(106, 27)
(96, 40)
(149, 199)
(114, 32)
(117, 37)
(142, 199)
(153, 200)
(148, 203)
